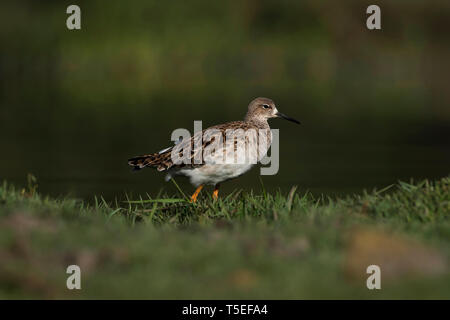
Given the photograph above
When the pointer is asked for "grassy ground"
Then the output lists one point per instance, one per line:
(243, 246)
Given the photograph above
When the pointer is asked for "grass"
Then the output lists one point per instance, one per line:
(245, 245)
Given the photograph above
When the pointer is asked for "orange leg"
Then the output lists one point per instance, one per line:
(196, 193)
(216, 192)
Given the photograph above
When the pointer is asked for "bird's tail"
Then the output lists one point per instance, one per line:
(155, 160)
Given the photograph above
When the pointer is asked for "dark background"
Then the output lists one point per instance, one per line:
(74, 105)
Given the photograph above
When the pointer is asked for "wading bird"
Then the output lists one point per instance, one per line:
(217, 157)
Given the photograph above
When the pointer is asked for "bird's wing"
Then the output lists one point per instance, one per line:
(209, 146)
(214, 146)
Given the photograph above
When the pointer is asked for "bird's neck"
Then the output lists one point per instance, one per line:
(260, 123)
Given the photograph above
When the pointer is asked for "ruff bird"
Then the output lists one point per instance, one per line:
(219, 153)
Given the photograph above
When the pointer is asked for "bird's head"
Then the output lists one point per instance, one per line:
(262, 109)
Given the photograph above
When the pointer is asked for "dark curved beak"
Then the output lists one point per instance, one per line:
(282, 115)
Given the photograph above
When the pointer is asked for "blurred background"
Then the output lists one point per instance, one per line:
(75, 105)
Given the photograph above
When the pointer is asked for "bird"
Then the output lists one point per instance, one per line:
(213, 156)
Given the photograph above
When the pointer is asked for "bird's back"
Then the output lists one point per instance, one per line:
(210, 146)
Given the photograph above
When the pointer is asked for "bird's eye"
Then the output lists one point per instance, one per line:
(266, 106)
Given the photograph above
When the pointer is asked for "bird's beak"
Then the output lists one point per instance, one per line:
(282, 115)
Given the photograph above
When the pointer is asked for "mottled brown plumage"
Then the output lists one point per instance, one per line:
(163, 161)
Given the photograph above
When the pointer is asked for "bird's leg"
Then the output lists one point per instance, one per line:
(196, 193)
(216, 191)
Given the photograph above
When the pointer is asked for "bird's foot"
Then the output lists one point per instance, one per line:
(216, 192)
(196, 193)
